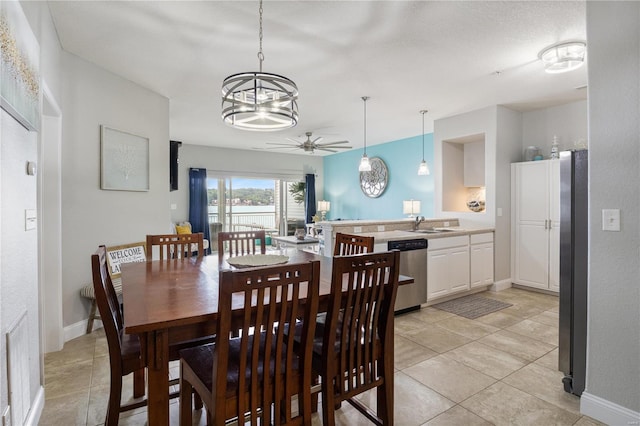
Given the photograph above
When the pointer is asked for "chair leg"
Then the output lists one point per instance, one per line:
(92, 316)
(138, 383)
(186, 390)
(115, 394)
(328, 403)
(385, 402)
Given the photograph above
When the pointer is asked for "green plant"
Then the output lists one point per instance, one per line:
(296, 189)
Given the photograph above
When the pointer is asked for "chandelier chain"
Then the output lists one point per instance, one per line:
(260, 54)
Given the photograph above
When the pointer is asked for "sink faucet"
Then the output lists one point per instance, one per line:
(418, 221)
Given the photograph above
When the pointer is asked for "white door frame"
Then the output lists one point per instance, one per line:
(50, 223)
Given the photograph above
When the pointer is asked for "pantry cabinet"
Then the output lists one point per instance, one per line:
(447, 266)
(535, 233)
(481, 259)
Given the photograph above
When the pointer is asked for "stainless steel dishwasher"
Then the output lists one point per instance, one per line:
(413, 263)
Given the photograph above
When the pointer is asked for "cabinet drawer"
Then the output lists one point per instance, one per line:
(448, 242)
(482, 238)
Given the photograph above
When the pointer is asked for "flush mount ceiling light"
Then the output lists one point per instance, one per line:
(563, 57)
(365, 165)
(259, 101)
(423, 169)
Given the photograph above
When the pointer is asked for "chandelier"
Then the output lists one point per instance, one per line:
(365, 165)
(423, 169)
(259, 101)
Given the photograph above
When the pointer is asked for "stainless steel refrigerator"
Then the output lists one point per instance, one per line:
(573, 269)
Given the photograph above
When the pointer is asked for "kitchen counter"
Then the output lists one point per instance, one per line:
(384, 236)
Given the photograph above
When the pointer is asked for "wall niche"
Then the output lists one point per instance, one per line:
(463, 173)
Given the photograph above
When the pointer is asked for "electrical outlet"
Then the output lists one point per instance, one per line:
(380, 228)
(6, 416)
(611, 220)
(357, 229)
(445, 224)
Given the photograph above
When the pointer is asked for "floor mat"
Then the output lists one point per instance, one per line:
(472, 307)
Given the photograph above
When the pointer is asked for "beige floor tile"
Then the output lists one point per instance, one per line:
(69, 409)
(546, 384)
(554, 309)
(517, 344)
(466, 327)
(457, 416)
(523, 310)
(588, 421)
(550, 360)
(548, 318)
(408, 352)
(502, 404)
(437, 338)
(414, 403)
(74, 351)
(490, 361)
(101, 374)
(68, 378)
(407, 323)
(432, 315)
(544, 333)
(449, 378)
(499, 319)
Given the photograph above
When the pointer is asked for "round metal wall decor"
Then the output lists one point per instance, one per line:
(374, 183)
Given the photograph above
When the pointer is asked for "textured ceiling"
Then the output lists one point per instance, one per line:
(447, 57)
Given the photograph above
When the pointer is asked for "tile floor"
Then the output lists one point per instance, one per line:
(498, 369)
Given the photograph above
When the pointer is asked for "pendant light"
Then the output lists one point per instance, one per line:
(423, 169)
(259, 101)
(365, 165)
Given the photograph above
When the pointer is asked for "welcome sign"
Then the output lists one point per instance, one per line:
(127, 253)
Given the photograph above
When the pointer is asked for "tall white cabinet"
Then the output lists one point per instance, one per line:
(535, 233)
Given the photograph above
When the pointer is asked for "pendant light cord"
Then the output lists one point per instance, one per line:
(365, 98)
(423, 112)
(260, 54)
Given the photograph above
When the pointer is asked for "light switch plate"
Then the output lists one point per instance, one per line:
(445, 224)
(380, 228)
(499, 211)
(30, 219)
(174, 206)
(611, 219)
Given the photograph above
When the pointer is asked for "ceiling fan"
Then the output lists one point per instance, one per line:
(310, 145)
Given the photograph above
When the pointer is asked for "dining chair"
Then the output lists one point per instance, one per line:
(176, 246)
(347, 244)
(124, 349)
(238, 243)
(356, 353)
(256, 375)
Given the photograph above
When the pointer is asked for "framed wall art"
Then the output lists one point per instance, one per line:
(124, 161)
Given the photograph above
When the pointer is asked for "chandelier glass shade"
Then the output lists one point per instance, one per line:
(563, 57)
(259, 101)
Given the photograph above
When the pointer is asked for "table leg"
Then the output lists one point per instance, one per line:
(158, 378)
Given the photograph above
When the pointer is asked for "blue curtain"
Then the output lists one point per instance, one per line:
(198, 210)
(310, 197)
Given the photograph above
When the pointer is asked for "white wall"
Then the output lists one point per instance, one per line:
(613, 344)
(238, 163)
(568, 122)
(91, 216)
(18, 275)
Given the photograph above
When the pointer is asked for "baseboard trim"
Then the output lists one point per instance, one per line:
(79, 329)
(606, 411)
(37, 405)
(500, 285)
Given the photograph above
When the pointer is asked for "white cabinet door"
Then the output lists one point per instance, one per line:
(437, 273)
(535, 237)
(481, 261)
(458, 269)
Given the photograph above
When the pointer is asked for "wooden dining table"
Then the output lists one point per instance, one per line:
(171, 301)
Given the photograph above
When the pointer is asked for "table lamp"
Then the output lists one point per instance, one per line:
(411, 207)
(323, 208)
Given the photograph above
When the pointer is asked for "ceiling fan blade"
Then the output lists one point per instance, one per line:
(325, 149)
(282, 144)
(316, 140)
(293, 140)
(332, 143)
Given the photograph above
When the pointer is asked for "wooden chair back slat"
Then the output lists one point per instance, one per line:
(348, 245)
(267, 378)
(176, 246)
(239, 243)
(358, 335)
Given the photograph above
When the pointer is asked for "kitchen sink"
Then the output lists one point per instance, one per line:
(432, 231)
